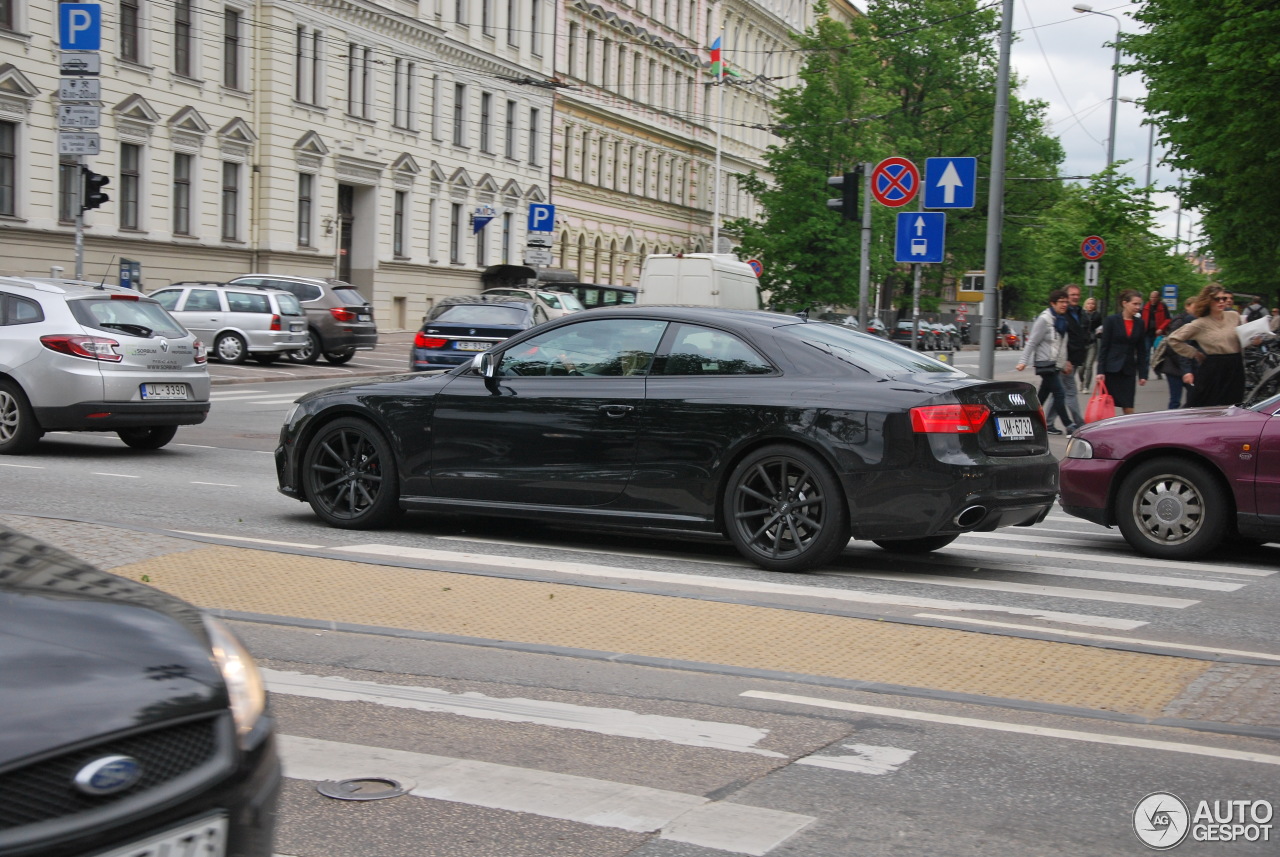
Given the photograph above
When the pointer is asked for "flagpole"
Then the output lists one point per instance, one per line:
(717, 69)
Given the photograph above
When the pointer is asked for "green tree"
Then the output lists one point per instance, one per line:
(1213, 78)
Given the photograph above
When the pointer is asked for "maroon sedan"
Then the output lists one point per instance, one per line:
(1177, 483)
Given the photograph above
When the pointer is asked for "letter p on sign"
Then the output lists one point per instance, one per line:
(80, 26)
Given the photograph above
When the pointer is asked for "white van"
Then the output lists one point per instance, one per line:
(702, 279)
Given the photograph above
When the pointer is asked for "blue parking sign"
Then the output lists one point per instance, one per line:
(79, 26)
(542, 217)
(920, 237)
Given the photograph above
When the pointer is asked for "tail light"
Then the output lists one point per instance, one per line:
(92, 347)
(202, 353)
(949, 419)
(421, 340)
(341, 314)
(275, 322)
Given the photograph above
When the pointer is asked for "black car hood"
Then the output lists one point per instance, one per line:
(85, 653)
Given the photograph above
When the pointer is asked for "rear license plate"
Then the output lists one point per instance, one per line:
(164, 391)
(205, 838)
(296, 327)
(472, 346)
(364, 316)
(1015, 428)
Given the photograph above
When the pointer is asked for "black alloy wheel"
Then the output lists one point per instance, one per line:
(342, 355)
(784, 509)
(924, 545)
(308, 353)
(349, 476)
(19, 431)
(1172, 508)
(147, 437)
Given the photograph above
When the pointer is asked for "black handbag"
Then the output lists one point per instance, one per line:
(1047, 367)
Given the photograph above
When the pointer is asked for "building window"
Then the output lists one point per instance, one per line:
(534, 117)
(404, 94)
(589, 71)
(622, 70)
(606, 62)
(70, 180)
(8, 169)
(6, 14)
(359, 65)
(129, 31)
(130, 184)
(231, 49)
(182, 38)
(482, 247)
(506, 238)
(459, 114)
(510, 141)
(573, 50)
(435, 107)
(486, 17)
(460, 11)
(535, 23)
(230, 201)
(306, 208)
(455, 233)
(182, 193)
(486, 122)
(399, 221)
(513, 14)
(309, 81)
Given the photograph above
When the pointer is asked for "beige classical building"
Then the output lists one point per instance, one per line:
(360, 138)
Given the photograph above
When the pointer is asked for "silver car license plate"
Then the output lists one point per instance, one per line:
(364, 316)
(472, 346)
(1015, 428)
(296, 326)
(164, 391)
(204, 838)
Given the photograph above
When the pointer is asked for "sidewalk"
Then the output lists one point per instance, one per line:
(471, 603)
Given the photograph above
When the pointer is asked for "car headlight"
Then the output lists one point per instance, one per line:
(293, 412)
(245, 687)
(1079, 448)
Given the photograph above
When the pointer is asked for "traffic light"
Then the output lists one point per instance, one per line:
(847, 204)
(93, 185)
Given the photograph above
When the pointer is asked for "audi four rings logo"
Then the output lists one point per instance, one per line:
(1016, 399)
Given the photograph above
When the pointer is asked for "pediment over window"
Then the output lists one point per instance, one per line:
(461, 178)
(512, 189)
(535, 194)
(188, 119)
(310, 143)
(14, 82)
(137, 109)
(406, 164)
(437, 174)
(237, 131)
(487, 184)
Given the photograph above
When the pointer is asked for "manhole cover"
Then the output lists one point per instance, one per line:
(364, 788)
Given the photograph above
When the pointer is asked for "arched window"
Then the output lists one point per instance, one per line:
(582, 257)
(597, 262)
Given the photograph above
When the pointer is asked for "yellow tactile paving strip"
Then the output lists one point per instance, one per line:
(669, 627)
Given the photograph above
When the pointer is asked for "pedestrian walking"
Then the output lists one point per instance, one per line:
(1094, 322)
(1254, 311)
(1123, 352)
(1171, 364)
(1219, 376)
(1046, 350)
(1079, 336)
(1155, 318)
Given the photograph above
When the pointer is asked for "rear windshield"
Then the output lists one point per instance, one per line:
(349, 296)
(133, 317)
(480, 314)
(289, 304)
(866, 352)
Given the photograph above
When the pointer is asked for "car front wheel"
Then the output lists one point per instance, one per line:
(349, 475)
(19, 431)
(784, 509)
(148, 437)
(308, 353)
(1172, 509)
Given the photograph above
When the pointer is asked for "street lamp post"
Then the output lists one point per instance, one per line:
(1115, 78)
(1151, 140)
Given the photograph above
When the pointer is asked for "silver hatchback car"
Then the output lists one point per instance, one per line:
(84, 357)
(238, 323)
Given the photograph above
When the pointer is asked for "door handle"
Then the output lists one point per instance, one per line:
(616, 411)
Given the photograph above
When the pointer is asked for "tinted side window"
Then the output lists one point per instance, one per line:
(21, 310)
(168, 298)
(248, 302)
(349, 296)
(605, 347)
(703, 351)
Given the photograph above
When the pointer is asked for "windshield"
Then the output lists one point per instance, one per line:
(288, 304)
(866, 352)
(135, 317)
(487, 314)
(349, 296)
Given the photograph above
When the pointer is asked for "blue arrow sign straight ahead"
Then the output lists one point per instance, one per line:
(80, 26)
(950, 182)
(920, 237)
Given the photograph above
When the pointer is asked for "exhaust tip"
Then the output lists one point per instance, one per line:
(970, 517)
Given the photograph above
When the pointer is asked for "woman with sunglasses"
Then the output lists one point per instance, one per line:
(1122, 351)
(1219, 376)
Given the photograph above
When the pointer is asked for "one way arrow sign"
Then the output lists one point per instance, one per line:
(950, 182)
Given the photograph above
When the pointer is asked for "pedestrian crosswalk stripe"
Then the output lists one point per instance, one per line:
(866, 759)
(692, 819)
(1030, 552)
(1028, 589)
(1090, 574)
(605, 721)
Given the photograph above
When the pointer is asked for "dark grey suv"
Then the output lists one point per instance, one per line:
(339, 318)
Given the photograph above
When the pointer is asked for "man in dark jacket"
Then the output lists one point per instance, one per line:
(1079, 338)
(1155, 318)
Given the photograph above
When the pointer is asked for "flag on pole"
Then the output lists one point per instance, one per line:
(717, 67)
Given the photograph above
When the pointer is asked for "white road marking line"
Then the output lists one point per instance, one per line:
(728, 563)
(1082, 635)
(1030, 553)
(866, 759)
(1145, 579)
(197, 446)
(119, 475)
(23, 466)
(672, 815)
(1040, 731)
(1026, 589)
(603, 721)
(246, 539)
(216, 484)
(735, 584)
(287, 401)
(238, 393)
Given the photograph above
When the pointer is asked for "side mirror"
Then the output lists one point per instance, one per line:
(484, 364)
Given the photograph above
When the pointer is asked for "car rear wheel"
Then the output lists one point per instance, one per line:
(1172, 509)
(147, 437)
(230, 348)
(349, 476)
(19, 431)
(925, 545)
(337, 358)
(784, 509)
(308, 353)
